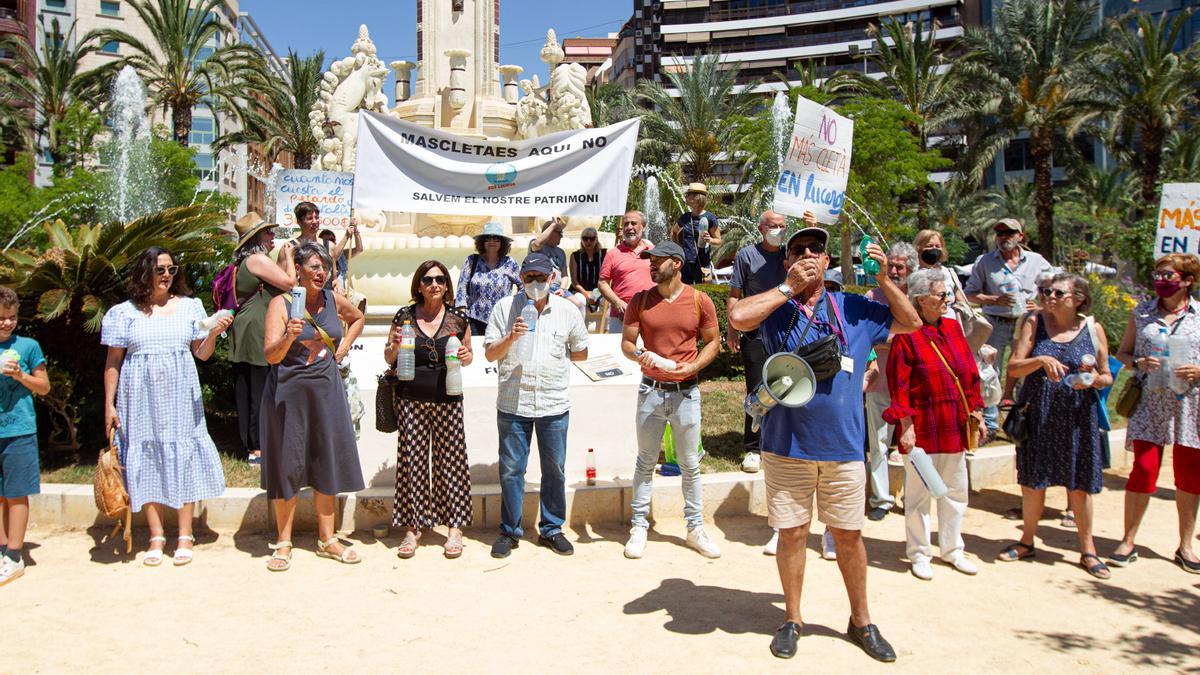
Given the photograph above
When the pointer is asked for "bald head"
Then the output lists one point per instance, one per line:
(770, 226)
(770, 219)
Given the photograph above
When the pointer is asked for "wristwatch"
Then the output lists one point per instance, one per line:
(785, 289)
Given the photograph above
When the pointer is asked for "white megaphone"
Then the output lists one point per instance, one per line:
(787, 380)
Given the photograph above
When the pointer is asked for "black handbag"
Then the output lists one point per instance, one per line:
(1130, 396)
(386, 419)
(824, 356)
(1016, 425)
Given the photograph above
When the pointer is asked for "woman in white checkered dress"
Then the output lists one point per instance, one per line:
(152, 398)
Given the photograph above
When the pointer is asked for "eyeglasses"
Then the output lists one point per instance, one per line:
(1056, 293)
(160, 270)
(1165, 276)
(587, 239)
(319, 267)
(897, 266)
(429, 280)
(799, 249)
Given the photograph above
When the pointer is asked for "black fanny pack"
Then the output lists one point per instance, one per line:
(824, 356)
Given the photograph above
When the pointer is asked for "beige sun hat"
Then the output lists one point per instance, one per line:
(248, 226)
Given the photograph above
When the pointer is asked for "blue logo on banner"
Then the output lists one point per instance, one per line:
(501, 175)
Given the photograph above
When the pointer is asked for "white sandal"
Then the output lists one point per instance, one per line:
(285, 557)
(344, 557)
(184, 556)
(154, 557)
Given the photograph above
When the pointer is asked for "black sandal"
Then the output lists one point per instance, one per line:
(1118, 560)
(1013, 552)
(1097, 569)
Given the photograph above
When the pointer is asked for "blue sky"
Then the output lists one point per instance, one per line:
(308, 25)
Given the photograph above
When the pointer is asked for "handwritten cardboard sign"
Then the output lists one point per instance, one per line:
(331, 191)
(814, 171)
(1178, 220)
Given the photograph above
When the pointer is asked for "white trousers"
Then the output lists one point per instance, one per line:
(879, 438)
(950, 509)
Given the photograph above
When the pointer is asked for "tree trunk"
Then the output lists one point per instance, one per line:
(302, 161)
(1152, 149)
(181, 118)
(1041, 146)
(923, 189)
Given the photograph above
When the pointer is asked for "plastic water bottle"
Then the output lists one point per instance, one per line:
(210, 323)
(453, 367)
(870, 265)
(1012, 289)
(1160, 348)
(406, 360)
(1179, 349)
(660, 362)
(591, 466)
(1087, 372)
(526, 342)
(299, 297)
(927, 473)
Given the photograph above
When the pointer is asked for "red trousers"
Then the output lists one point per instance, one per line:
(1147, 458)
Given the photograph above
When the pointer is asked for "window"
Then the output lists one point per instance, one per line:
(110, 8)
(203, 131)
(204, 165)
(110, 47)
(56, 4)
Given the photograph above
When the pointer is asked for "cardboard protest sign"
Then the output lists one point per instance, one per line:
(814, 171)
(1178, 220)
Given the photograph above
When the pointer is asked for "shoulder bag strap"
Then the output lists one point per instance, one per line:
(957, 384)
(321, 331)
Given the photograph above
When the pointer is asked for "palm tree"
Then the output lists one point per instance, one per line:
(610, 103)
(52, 84)
(1025, 74)
(699, 122)
(278, 117)
(180, 65)
(1146, 90)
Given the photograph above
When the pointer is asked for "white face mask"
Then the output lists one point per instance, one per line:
(536, 290)
(774, 236)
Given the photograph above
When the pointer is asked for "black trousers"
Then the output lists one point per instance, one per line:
(754, 355)
(691, 273)
(248, 383)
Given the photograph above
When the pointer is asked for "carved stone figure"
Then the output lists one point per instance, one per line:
(351, 84)
(531, 110)
(569, 107)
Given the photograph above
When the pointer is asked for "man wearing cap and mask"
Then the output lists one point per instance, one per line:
(670, 318)
(698, 232)
(1012, 265)
(816, 450)
(533, 398)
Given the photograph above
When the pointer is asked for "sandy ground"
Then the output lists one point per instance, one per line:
(80, 606)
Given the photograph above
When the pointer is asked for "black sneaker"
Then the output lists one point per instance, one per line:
(871, 642)
(783, 645)
(557, 543)
(877, 513)
(504, 545)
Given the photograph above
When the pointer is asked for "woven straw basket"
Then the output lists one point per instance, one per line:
(109, 488)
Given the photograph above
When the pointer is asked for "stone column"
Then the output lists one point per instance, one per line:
(509, 76)
(458, 77)
(403, 71)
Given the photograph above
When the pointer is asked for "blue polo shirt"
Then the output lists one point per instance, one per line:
(16, 402)
(830, 427)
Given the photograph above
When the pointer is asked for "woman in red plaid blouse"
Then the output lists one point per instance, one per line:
(934, 385)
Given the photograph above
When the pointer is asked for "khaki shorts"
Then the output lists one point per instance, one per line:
(840, 487)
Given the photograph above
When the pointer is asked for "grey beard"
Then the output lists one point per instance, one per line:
(1007, 246)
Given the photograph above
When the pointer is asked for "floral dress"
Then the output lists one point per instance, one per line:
(479, 292)
(1161, 418)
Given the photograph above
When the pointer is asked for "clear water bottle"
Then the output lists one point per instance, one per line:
(1012, 288)
(453, 367)
(1160, 348)
(525, 343)
(406, 361)
(1087, 372)
(870, 265)
(1179, 350)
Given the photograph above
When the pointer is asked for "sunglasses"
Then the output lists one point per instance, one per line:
(1056, 293)
(943, 296)
(429, 280)
(487, 240)
(587, 239)
(160, 270)
(799, 249)
(1005, 233)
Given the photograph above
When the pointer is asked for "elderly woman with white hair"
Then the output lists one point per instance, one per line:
(934, 386)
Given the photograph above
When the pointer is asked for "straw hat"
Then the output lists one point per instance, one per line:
(699, 188)
(248, 226)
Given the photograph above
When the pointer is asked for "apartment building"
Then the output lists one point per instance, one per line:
(591, 53)
(16, 18)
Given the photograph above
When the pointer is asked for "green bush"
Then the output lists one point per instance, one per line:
(727, 364)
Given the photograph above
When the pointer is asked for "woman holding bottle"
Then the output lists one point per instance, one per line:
(152, 398)
(430, 409)
(488, 275)
(1062, 446)
(1169, 411)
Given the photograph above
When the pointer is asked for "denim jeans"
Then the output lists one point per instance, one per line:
(682, 409)
(516, 432)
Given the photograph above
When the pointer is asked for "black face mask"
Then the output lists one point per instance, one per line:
(931, 256)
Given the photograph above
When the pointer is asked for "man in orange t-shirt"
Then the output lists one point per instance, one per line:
(624, 271)
(670, 318)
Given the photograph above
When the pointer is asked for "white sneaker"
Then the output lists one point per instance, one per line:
(10, 571)
(773, 544)
(921, 569)
(828, 550)
(752, 462)
(698, 539)
(962, 564)
(636, 546)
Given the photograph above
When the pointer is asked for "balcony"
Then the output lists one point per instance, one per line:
(782, 9)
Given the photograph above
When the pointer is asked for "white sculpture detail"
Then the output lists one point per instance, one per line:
(560, 106)
(531, 110)
(351, 84)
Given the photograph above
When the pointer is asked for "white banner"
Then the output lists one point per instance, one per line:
(1178, 220)
(405, 167)
(331, 191)
(814, 171)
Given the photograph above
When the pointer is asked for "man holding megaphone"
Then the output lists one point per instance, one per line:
(816, 449)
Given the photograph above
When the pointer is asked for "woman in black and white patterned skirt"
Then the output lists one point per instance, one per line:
(438, 492)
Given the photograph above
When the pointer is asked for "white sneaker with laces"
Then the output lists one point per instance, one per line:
(752, 462)
(636, 546)
(698, 539)
(9, 570)
(773, 544)
(828, 550)
(962, 564)
(921, 569)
